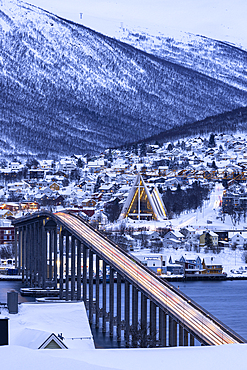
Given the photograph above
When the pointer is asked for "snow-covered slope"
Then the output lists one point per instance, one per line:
(217, 59)
(223, 20)
(66, 88)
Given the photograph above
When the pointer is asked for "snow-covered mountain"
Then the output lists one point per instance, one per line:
(218, 59)
(68, 89)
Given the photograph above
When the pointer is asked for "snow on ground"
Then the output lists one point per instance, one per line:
(225, 357)
(70, 319)
(222, 19)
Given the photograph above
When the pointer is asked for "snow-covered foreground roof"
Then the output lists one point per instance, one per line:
(225, 357)
(70, 319)
(43, 319)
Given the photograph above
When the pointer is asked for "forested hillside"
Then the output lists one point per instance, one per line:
(67, 89)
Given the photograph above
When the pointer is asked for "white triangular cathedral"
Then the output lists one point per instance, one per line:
(142, 203)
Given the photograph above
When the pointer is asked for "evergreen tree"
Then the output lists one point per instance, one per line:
(211, 142)
(143, 150)
(214, 165)
(208, 241)
(170, 147)
(97, 185)
(79, 163)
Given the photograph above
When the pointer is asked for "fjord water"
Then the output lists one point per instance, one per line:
(226, 300)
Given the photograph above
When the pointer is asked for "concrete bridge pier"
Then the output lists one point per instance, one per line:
(104, 298)
(85, 253)
(27, 250)
(172, 332)
(192, 340)
(181, 335)
(134, 325)
(97, 293)
(22, 253)
(186, 343)
(143, 321)
(90, 287)
(111, 301)
(61, 262)
(119, 313)
(78, 282)
(67, 266)
(32, 258)
(127, 311)
(162, 327)
(72, 268)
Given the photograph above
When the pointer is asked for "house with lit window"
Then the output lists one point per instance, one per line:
(154, 261)
(7, 232)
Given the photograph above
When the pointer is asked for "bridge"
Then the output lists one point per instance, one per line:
(51, 249)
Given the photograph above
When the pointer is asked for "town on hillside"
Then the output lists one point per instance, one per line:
(180, 207)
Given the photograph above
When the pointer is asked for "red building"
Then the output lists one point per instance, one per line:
(7, 234)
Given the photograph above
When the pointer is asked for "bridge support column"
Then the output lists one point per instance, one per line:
(134, 327)
(143, 321)
(185, 337)
(127, 312)
(44, 255)
(31, 265)
(17, 255)
(49, 251)
(119, 296)
(78, 273)
(90, 307)
(181, 335)
(153, 329)
(24, 254)
(104, 298)
(175, 333)
(97, 292)
(28, 252)
(32, 255)
(61, 263)
(72, 268)
(39, 255)
(85, 249)
(54, 231)
(192, 340)
(171, 332)
(67, 267)
(162, 328)
(111, 301)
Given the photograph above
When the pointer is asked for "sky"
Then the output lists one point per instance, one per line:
(220, 19)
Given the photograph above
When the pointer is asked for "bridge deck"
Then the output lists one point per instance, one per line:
(201, 323)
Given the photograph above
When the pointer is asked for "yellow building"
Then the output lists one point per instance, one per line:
(213, 237)
(212, 266)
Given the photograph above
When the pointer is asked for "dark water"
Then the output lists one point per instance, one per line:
(226, 300)
(6, 286)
